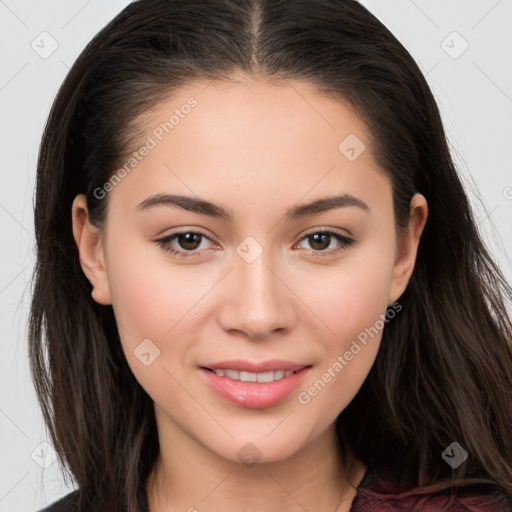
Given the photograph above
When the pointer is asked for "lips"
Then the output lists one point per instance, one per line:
(254, 394)
(256, 367)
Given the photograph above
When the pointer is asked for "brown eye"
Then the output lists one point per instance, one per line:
(187, 242)
(319, 241)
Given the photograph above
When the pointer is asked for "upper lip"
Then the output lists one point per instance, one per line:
(256, 367)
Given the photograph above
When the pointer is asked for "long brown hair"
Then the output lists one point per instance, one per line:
(444, 369)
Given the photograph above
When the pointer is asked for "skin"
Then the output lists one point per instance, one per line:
(279, 145)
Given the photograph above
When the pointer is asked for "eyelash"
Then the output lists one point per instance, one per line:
(165, 241)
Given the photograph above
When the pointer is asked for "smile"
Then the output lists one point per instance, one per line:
(253, 390)
(254, 377)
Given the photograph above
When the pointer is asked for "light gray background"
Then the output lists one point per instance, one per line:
(473, 89)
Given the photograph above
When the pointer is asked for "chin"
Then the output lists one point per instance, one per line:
(259, 450)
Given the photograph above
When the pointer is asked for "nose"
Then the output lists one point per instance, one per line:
(258, 299)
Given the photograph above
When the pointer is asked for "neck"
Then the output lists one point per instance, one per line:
(189, 477)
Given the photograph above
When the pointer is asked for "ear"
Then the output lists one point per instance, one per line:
(90, 247)
(407, 248)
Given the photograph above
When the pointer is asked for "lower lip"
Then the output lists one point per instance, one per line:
(254, 395)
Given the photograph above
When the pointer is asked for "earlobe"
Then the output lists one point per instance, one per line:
(407, 248)
(91, 252)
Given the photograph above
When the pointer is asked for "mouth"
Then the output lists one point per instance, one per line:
(261, 377)
(254, 389)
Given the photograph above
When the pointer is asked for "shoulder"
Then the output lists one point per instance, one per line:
(376, 494)
(68, 503)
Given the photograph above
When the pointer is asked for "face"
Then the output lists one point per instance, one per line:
(274, 281)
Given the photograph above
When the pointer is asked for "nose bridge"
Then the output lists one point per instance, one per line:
(259, 286)
(260, 302)
(257, 280)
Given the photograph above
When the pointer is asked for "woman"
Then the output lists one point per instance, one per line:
(195, 343)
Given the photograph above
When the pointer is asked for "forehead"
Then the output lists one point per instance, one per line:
(253, 141)
(256, 113)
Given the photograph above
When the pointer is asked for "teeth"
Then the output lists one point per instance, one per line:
(248, 377)
(254, 377)
(232, 374)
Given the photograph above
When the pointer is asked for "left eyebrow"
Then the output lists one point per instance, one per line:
(325, 204)
(201, 206)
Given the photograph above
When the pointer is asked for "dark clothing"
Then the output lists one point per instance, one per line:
(378, 494)
(66, 504)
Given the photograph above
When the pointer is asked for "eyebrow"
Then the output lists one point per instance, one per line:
(203, 207)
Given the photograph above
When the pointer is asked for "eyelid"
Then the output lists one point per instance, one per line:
(327, 229)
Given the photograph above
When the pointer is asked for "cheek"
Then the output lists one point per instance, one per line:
(352, 303)
(149, 293)
(348, 356)
(153, 303)
(350, 297)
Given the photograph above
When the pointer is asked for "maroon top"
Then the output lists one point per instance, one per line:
(378, 494)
